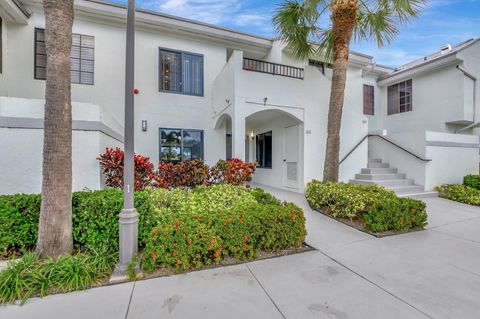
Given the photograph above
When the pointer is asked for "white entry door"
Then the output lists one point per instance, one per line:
(291, 156)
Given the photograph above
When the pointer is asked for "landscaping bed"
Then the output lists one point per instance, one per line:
(372, 209)
(460, 193)
(179, 230)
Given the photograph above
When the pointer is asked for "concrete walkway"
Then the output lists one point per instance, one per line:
(429, 274)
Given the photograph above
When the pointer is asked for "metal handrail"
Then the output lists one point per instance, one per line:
(272, 68)
(353, 149)
(387, 140)
(403, 149)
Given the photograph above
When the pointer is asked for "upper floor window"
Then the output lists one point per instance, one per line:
(82, 58)
(181, 72)
(400, 97)
(318, 64)
(178, 145)
(368, 99)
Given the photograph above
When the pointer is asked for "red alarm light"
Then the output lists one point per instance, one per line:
(136, 91)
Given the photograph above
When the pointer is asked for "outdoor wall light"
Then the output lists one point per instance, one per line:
(144, 125)
(252, 135)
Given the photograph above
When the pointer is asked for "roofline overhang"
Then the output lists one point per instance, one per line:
(14, 11)
(429, 66)
(149, 19)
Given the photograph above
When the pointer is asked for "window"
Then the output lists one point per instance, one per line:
(181, 72)
(264, 149)
(368, 100)
(180, 145)
(400, 97)
(82, 58)
(318, 64)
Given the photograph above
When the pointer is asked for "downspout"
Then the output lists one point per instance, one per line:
(469, 75)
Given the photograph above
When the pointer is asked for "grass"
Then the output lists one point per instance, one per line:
(32, 276)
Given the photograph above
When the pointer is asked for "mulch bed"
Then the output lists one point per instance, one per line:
(229, 261)
(358, 225)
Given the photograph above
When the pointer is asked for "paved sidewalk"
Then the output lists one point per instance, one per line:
(429, 274)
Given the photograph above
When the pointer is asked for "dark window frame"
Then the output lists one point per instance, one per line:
(80, 59)
(182, 54)
(320, 65)
(263, 161)
(202, 132)
(367, 91)
(404, 87)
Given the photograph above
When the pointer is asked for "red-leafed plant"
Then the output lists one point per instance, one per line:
(183, 174)
(112, 163)
(233, 171)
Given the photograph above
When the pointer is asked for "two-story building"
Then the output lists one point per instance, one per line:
(206, 92)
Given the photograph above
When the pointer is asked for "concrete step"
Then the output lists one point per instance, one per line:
(420, 195)
(379, 170)
(384, 183)
(378, 165)
(408, 189)
(374, 160)
(376, 177)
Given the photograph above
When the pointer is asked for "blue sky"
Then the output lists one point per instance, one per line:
(442, 22)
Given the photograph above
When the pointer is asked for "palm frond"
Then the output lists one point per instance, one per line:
(296, 22)
(379, 20)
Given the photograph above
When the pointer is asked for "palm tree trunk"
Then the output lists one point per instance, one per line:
(344, 14)
(55, 226)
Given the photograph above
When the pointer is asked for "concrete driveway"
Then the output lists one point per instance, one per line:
(429, 274)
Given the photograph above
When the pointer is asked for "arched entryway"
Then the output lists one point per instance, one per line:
(275, 141)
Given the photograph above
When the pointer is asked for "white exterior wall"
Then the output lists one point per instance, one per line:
(452, 156)
(3, 76)
(21, 148)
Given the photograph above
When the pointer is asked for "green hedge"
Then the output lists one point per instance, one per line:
(460, 193)
(377, 208)
(472, 181)
(95, 220)
(205, 225)
(234, 220)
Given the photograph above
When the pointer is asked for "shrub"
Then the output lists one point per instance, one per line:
(183, 174)
(472, 181)
(263, 197)
(18, 222)
(95, 220)
(32, 276)
(460, 193)
(112, 163)
(377, 208)
(206, 224)
(233, 171)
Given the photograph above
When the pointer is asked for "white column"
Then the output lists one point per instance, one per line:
(238, 137)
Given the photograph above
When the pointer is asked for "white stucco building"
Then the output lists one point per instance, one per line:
(212, 93)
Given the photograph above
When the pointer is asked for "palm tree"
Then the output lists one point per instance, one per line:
(298, 23)
(55, 226)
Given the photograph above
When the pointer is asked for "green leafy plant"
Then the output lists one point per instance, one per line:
(377, 208)
(460, 193)
(472, 181)
(95, 220)
(263, 197)
(32, 276)
(132, 268)
(207, 224)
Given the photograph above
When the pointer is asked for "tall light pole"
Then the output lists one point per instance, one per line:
(128, 217)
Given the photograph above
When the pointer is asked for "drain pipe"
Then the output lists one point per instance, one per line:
(474, 79)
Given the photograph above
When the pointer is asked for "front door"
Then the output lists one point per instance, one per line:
(291, 150)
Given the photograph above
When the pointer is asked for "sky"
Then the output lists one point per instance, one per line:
(441, 22)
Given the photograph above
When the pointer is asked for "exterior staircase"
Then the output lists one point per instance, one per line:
(382, 174)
